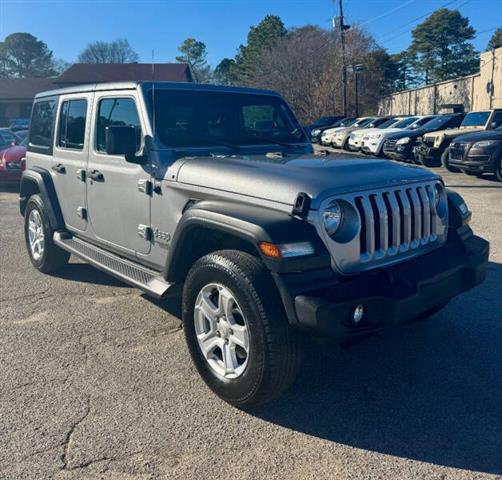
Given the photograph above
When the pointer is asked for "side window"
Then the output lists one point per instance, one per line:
(497, 118)
(42, 125)
(258, 117)
(72, 124)
(116, 111)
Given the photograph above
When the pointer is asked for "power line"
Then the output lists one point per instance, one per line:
(387, 13)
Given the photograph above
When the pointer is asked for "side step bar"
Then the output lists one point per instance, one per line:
(147, 280)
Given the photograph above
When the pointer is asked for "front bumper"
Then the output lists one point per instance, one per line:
(423, 152)
(390, 295)
(402, 153)
(371, 147)
(480, 163)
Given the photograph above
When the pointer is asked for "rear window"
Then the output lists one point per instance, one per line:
(42, 125)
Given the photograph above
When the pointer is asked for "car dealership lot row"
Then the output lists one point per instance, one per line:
(97, 384)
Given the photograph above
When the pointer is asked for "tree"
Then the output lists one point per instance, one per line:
(224, 72)
(305, 67)
(194, 53)
(118, 51)
(496, 40)
(405, 76)
(441, 48)
(260, 37)
(23, 55)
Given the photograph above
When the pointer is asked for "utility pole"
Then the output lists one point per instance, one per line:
(342, 27)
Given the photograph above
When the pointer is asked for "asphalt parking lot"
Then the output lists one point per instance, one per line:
(96, 382)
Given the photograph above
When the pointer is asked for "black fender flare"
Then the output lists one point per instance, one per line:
(251, 224)
(39, 180)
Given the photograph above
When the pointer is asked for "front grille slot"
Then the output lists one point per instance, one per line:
(396, 221)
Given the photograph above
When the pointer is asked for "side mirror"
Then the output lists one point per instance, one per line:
(121, 140)
(494, 125)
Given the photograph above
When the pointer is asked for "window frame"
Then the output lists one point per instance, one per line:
(44, 149)
(58, 123)
(97, 104)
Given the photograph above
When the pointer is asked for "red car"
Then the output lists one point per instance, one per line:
(10, 161)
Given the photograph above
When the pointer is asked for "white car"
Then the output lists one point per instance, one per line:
(329, 134)
(356, 137)
(373, 140)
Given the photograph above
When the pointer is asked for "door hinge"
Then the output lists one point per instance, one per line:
(145, 186)
(82, 213)
(81, 174)
(145, 232)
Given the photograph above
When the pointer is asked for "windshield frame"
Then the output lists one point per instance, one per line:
(487, 112)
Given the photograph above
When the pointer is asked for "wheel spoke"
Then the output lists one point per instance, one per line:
(226, 303)
(207, 307)
(208, 344)
(229, 358)
(240, 336)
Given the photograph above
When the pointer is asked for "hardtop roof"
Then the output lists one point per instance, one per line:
(182, 86)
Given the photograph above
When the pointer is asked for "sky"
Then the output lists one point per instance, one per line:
(67, 26)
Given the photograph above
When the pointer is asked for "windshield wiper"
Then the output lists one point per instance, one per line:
(273, 141)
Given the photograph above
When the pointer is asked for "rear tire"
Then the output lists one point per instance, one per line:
(45, 256)
(445, 161)
(267, 363)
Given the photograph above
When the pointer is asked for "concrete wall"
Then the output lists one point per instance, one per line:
(480, 91)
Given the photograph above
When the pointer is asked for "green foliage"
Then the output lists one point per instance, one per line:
(118, 51)
(23, 55)
(224, 72)
(440, 46)
(194, 53)
(260, 37)
(496, 40)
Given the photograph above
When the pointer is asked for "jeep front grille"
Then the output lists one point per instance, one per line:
(395, 221)
(394, 224)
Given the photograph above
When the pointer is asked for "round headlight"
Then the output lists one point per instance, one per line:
(332, 218)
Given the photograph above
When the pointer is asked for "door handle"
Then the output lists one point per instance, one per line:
(96, 175)
(59, 168)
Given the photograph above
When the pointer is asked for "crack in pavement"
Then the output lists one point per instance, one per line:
(68, 437)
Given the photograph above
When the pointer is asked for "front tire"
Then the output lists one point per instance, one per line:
(236, 330)
(445, 161)
(44, 254)
(498, 170)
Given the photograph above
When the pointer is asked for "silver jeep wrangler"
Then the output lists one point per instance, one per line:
(215, 194)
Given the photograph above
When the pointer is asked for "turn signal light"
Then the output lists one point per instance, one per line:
(270, 250)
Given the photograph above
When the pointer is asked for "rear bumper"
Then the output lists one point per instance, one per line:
(390, 295)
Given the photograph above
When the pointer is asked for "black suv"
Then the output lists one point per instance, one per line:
(477, 153)
(400, 145)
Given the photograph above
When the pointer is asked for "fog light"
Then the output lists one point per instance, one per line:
(358, 314)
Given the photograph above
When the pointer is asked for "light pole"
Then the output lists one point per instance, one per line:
(356, 69)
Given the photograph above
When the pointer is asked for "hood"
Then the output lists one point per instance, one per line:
(455, 132)
(13, 154)
(281, 180)
(478, 136)
(402, 133)
(331, 130)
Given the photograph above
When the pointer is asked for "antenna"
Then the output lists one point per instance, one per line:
(153, 93)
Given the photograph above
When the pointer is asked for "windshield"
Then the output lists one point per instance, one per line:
(206, 118)
(348, 122)
(405, 122)
(438, 122)
(387, 123)
(320, 122)
(475, 119)
(420, 122)
(363, 122)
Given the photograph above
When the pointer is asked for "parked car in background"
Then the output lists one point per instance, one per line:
(316, 133)
(329, 134)
(20, 124)
(433, 150)
(477, 153)
(356, 137)
(372, 143)
(342, 137)
(399, 146)
(22, 134)
(11, 162)
(7, 135)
